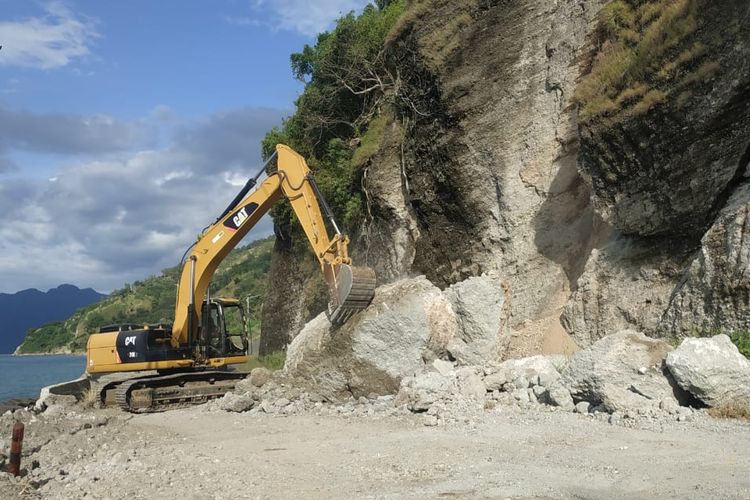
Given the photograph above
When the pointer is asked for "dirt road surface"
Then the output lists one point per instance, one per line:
(502, 453)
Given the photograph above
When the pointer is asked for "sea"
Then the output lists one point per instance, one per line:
(24, 376)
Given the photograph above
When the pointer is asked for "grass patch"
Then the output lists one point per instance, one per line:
(274, 361)
(647, 51)
(742, 340)
(370, 140)
(704, 72)
(733, 410)
(439, 44)
(651, 99)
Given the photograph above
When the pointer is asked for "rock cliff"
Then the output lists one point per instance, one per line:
(593, 220)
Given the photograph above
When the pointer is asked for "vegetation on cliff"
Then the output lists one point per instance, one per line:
(242, 275)
(346, 79)
(648, 52)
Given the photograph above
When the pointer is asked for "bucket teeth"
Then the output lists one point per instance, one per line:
(355, 289)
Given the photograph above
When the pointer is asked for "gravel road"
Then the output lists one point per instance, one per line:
(506, 452)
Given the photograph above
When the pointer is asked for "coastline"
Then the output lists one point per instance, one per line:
(60, 352)
(14, 404)
(19, 355)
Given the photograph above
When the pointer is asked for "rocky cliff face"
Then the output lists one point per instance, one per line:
(590, 228)
(660, 169)
(290, 302)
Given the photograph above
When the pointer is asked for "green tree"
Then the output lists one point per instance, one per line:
(347, 79)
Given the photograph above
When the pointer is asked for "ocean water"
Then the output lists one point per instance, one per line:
(24, 376)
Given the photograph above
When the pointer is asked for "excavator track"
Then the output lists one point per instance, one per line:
(355, 290)
(177, 390)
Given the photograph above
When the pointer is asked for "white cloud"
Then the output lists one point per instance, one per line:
(305, 17)
(51, 41)
(66, 133)
(115, 220)
(243, 21)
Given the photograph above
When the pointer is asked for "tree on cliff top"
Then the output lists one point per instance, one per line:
(345, 79)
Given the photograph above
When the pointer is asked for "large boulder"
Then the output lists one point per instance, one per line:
(408, 321)
(622, 371)
(712, 370)
(483, 332)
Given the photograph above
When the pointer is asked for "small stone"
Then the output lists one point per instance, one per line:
(430, 421)
(521, 383)
(260, 376)
(281, 403)
(684, 410)
(444, 368)
(547, 379)
(532, 396)
(521, 395)
(669, 405)
(615, 418)
(560, 396)
(315, 397)
(470, 384)
(495, 381)
(236, 402)
(362, 400)
(539, 390)
(583, 407)
(642, 370)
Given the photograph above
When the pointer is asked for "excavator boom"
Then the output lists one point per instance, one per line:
(351, 288)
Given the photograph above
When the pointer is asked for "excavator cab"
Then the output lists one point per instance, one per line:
(224, 328)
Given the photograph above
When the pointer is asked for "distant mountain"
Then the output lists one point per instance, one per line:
(242, 274)
(31, 308)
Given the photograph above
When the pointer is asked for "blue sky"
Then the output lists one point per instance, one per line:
(125, 127)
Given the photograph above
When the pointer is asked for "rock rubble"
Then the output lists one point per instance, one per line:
(621, 377)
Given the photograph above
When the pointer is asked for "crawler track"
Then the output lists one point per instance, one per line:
(167, 392)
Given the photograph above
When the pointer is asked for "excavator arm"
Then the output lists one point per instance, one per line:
(351, 289)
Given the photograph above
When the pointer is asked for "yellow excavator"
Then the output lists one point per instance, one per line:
(191, 355)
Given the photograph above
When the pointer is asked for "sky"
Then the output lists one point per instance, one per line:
(126, 127)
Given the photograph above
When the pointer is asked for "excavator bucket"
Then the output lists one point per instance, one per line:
(352, 289)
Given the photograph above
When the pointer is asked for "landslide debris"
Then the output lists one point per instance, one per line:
(72, 451)
(409, 323)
